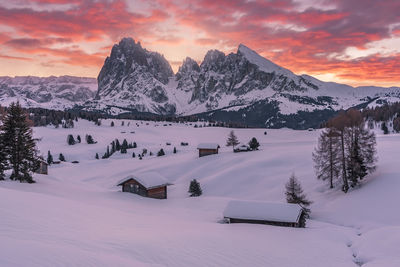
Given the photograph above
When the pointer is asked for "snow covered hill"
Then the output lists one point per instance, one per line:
(50, 92)
(78, 216)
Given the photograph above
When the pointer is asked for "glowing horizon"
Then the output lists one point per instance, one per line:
(352, 42)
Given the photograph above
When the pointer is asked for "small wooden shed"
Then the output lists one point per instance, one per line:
(43, 167)
(280, 214)
(150, 184)
(206, 149)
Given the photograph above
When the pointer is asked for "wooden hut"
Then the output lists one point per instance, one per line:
(43, 167)
(206, 149)
(280, 214)
(150, 184)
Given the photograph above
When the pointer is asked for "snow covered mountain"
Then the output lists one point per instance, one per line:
(50, 92)
(137, 79)
(241, 87)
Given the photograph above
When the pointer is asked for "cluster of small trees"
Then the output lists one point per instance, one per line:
(346, 150)
(117, 146)
(71, 140)
(50, 160)
(17, 146)
(233, 141)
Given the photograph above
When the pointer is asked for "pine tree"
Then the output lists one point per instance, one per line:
(294, 194)
(78, 138)
(71, 140)
(254, 144)
(232, 140)
(3, 157)
(61, 157)
(134, 145)
(326, 156)
(174, 150)
(124, 144)
(89, 139)
(384, 128)
(122, 123)
(113, 149)
(49, 158)
(19, 144)
(117, 145)
(195, 189)
(133, 155)
(160, 153)
(97, 156)
(112, 123)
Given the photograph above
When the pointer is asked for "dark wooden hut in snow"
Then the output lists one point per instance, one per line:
(280, 214)
(150, 184)
(206, 149)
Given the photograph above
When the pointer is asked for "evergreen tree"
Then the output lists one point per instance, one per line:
(326, 156)
(134, 145)
(89, 139)
(160, 153)
(174, 150)
(117, 145)
(124, 144)
(97, 156)
(3, 157)
(71, 140)
(112, 123)
(61, 157)
(140, 157)
(254, 144)
(133, 155)
(151, 153)
(232, 140)
(122, 123)
(19, 144)
(294, 194)
(78, 138)
(49, 158)
(384, 128)
(195, 189)
(113, 149)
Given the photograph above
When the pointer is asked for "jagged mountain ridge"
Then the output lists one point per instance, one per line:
(131, 78)
(47, 92)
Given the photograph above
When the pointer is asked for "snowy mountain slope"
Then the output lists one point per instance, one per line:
(78, 216)
(47, 92)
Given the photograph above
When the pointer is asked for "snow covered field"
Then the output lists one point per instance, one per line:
(77, 216)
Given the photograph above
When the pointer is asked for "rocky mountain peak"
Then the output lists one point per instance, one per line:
(189, 65)
(213, 59)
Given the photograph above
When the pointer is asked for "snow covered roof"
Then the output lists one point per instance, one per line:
(207, 146)
(242, 147)
(265, 211)
(148, 179)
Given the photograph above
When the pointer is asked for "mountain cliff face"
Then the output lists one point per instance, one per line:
(135, 78)
(50, 92)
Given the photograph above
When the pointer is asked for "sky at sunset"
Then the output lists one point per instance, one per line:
(349, 41)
